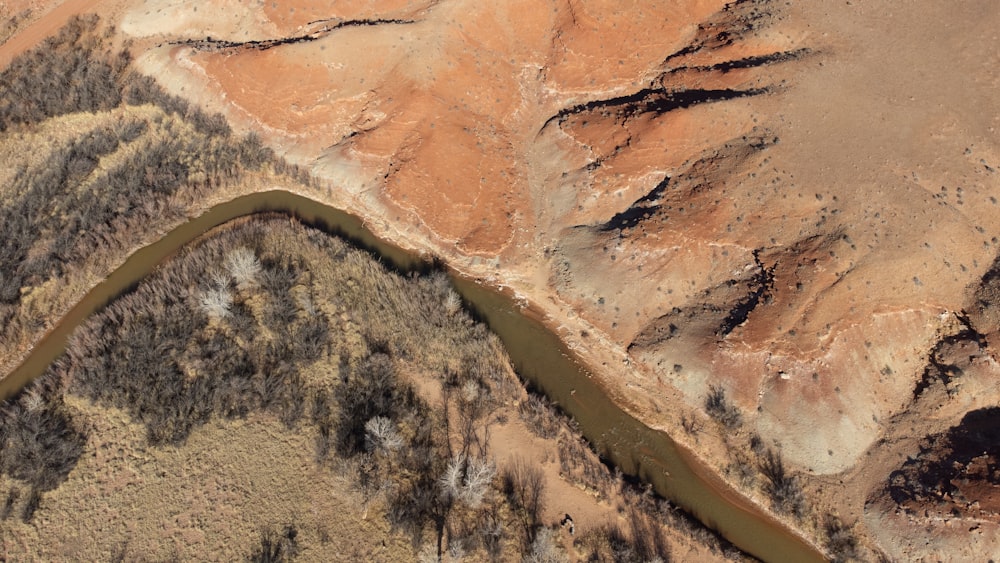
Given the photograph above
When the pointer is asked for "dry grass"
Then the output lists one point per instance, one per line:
(211, 435)
(96, 159)
(308, 354)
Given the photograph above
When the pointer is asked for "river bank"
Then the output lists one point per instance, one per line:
(537, 354)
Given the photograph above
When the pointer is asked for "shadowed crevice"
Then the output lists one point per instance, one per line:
(750, 62)
(656, 100)
(209, 44)
(640, 210)
(760, 284)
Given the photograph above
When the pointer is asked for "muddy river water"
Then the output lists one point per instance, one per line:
(537, 353)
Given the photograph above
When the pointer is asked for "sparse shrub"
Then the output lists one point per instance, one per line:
(539, 415)
(691, 425)
(454, 554)
(647, 536)
(491, 532)
(720, 409)
(276, 547)
(840, 542)
(743, 469)
(545, 548)
(643, 542)
(784, 489)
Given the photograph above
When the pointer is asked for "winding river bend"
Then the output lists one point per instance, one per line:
(537, 353)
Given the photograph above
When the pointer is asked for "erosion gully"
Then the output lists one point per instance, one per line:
(537, 353)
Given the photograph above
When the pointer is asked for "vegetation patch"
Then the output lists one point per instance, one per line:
(113, 159)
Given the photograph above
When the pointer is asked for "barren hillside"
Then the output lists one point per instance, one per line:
(788, 206)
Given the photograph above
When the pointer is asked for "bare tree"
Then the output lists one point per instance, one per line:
(216, 302)
(451, 480)
(545, 549)
(524, 485)
(467, 480)
(243, 266)
(381, 435)
(452, 302)
(478, 476)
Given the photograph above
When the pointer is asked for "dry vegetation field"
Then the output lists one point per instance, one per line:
(95, 161)
(274, 389)
(270, 393)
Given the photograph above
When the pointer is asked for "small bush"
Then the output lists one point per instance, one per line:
(784, 489)
(539, 415)
(276, 547)
(720, 409)
(840, 541)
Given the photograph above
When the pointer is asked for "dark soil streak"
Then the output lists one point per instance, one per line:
(209, 44)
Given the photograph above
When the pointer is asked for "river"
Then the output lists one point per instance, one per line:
(537, 354)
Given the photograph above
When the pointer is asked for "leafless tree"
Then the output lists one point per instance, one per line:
(381, 435)
(524, 486)
(216, 302)
(243, 266)
(545, 549)
(467, 480)
(452, 302)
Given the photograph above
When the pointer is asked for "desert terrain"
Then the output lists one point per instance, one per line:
(767, 228)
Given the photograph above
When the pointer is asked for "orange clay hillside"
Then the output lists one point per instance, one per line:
(778, 215)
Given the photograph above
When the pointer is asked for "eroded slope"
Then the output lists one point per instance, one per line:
(791, 203)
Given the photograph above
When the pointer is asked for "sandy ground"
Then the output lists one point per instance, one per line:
(198, 501)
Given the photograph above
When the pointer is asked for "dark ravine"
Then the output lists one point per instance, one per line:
(210, 44)
(536, 352)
